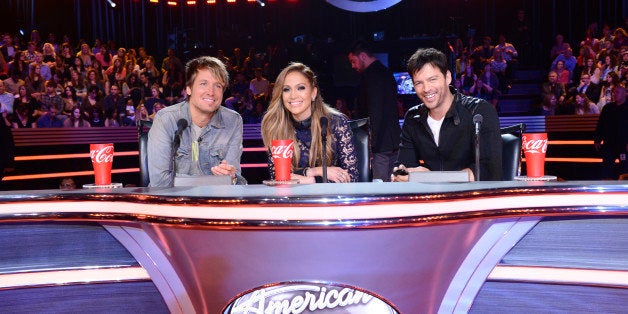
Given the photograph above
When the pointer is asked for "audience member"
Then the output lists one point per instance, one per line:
(76, 119)
(584, 106)
(548, 105)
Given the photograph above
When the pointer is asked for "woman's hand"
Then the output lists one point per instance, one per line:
(334, 174)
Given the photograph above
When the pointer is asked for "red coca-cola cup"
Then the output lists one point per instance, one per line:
(282, 151)
(534, 148)
(102, 158)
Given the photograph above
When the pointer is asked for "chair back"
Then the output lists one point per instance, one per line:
(361, 142)
(511, 150)
(143, 128)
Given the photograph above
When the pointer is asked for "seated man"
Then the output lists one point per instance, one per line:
(210, 135)
(440, 131)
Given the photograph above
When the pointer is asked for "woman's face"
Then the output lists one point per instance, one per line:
(579, 99)
(92, 75)
(590, 62)
(22, 90)
(78, 62)
(560, 65)
(74, 75)
(76, 113)
(297, 95)
(68, 92)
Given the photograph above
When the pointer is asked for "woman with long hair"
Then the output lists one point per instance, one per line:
(606, 93)
(76, 119)
(294, 113)
(70, 100)
(584, 106)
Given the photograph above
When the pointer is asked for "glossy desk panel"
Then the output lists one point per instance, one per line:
(422, 247)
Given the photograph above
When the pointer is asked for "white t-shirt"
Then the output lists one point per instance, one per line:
(435, 127)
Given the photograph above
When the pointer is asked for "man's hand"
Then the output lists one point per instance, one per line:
(401, 173)
(224, 169)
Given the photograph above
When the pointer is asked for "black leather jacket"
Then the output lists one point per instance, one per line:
(456, 150)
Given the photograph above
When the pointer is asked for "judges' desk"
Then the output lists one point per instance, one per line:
(324, 248)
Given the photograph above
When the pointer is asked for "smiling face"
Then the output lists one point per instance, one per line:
(205, 93)
(432, 87)
(297, 95)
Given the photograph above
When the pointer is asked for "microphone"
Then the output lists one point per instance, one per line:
(182, 124)
(477, 120)
(323, 123)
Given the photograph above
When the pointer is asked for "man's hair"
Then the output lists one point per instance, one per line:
(214, 65)
(361, 46)
(425, 56)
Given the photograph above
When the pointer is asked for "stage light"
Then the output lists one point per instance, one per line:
(231, 1)
(153, 1)
(211, 1)
(191, 2)
(111, 3)
(261, 3)
(172, 3)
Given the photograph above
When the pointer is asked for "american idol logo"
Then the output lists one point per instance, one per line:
(307, 297)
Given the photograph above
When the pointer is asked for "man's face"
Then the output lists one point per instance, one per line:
(114, 90)
(357, 61)
(206, 93)
(552, 77)
(619, 95)
(585, 79)
(432, 86)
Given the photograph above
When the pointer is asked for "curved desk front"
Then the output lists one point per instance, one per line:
(324, 248)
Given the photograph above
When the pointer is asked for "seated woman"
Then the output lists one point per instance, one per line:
(294, 113)
(76, 120)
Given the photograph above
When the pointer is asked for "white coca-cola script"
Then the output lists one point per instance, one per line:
(534, 146)
(102, 155)
(283, 151)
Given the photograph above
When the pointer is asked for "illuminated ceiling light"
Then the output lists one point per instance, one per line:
(153, 1)
(191, 2)
(111, 3)
(231, 1)
(172, 3)
(211, 1)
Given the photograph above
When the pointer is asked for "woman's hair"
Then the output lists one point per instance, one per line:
(277, 122)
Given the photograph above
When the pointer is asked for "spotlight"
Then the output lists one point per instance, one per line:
(111, 3)
(261, 3)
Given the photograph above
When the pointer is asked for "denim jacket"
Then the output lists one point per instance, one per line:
(220, 139)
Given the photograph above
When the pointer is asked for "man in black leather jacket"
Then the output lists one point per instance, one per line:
(439, 134)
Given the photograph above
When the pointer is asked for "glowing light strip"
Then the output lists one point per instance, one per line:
(70, 156)
(553, 275)
(569, 142)
(69, 277)
(315, 212)
(64, 174)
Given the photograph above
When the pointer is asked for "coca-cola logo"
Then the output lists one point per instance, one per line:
(103, 155)
(308, 297)
(534, 146)
(283, 151)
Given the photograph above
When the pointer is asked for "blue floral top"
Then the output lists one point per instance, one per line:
(341, 145)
